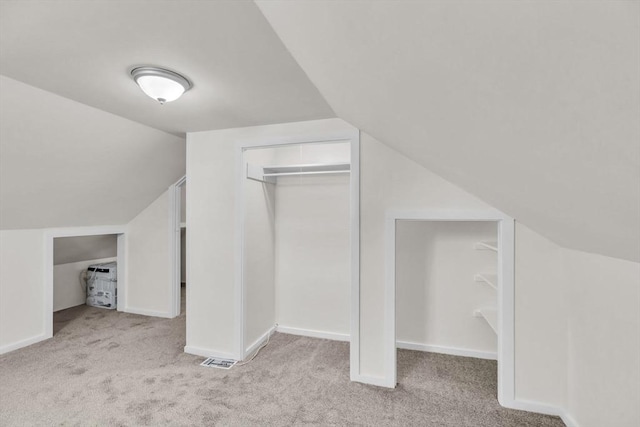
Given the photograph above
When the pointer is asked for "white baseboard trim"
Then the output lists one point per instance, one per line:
(22, 343)
(257, 343)
(144, 312)
(369, 380)
(568, 419)
(541, 408)
(205, 352)
(313, 333)
(454, 351)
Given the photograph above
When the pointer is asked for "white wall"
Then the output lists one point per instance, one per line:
(23, 312)
(313, 258)
(259, 251)
(67, 291)
(211, 214)
(435, 289)
(540, 319)
(148, 261)
(390, 180)
(554, 332)
(21, 288)
(82, 166)
(603, 339)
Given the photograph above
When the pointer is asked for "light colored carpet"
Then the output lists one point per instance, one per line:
(104, 368)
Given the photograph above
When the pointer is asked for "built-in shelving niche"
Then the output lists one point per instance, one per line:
(490, 314)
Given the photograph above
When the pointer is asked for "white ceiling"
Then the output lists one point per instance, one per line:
(84, 50)
(532, 106)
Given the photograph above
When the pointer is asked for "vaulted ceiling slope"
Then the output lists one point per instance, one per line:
(84, 50)
(532, 106)
(63, 163)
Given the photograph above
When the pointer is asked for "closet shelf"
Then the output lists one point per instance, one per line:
(269, 173)
(489, 279)
(491, 246)
(490, 315)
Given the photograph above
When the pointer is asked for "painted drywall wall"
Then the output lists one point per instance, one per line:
(313, 264)
(540, 319)
(148, 261)
(435, 289)
(388, 180)
(81, 166)
(81, 248)
(21, 288)
(211, 214)
(603, 340)
(68, 291)
(259, 250)
(485, 103)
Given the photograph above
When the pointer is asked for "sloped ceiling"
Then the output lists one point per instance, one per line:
(84, 248)
(532, 106)
(84, 50)
(80, 144)
(63, 163)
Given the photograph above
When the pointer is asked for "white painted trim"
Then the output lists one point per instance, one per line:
(145, 312)
(347, 135)
(239, 288)
(568, 419)
(446, 215)
(22, 343)
(354, 353)
(371, 380)
(453, 351)
(543, 408)
(175, 225)
(122, 271)
(85, 231)
(257, 343)
(506, 286)
(334, 336)
(506, 311)
(52, 233)
(390, 353)
(205, 352)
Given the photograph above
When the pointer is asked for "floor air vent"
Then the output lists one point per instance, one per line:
(213, 362)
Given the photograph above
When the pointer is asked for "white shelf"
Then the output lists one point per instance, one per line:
(490, 315)
(489, 279)
(491, 246)
(270, 173)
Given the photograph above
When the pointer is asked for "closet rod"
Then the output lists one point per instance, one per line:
(305, 173)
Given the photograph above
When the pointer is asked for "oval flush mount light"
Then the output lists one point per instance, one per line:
(160, 84)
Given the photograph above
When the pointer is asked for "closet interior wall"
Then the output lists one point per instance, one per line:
(438, 288)
(297, 245)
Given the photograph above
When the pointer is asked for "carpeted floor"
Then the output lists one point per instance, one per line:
(104, 368)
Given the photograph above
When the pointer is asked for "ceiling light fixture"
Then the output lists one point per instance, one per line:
(160, 84)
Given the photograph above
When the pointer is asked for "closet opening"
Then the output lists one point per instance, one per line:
(449, 290)
(296, 275)
(84, 276)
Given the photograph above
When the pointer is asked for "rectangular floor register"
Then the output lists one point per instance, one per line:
(213, 362)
